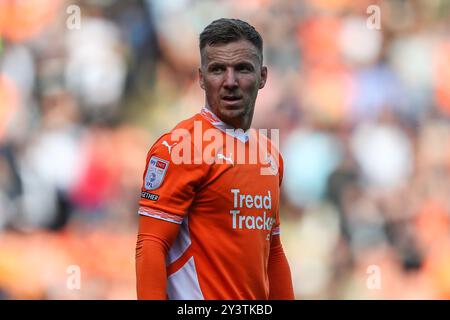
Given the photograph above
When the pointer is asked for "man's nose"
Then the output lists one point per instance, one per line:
(230, 79)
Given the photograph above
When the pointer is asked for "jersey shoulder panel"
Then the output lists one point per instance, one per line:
(171, 176)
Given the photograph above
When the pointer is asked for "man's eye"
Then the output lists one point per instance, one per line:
(216, 69)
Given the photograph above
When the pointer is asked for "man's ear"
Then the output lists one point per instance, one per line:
(201, 79)
(263, 77)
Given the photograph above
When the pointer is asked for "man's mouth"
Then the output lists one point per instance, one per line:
(231, 98)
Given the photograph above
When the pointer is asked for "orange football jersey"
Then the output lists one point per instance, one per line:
(227, 207)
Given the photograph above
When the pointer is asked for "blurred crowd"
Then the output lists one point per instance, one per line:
(363, 110)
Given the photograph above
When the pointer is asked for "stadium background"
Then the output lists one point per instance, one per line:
(364, 128)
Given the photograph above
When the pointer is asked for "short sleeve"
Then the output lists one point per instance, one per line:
(168, 187)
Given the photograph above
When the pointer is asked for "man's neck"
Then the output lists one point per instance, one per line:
(230, 126)
(219, 124)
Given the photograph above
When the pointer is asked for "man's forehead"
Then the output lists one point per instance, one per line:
(232, 51)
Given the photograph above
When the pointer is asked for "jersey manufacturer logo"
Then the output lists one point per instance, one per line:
(156, 171)
(165, 143)
(227, 159)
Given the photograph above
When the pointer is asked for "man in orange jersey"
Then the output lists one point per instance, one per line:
(209, 224)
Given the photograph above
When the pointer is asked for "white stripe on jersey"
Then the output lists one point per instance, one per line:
(183, 284)
(181, 243)
(149, 212)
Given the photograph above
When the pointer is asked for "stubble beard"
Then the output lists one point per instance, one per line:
(240, 118)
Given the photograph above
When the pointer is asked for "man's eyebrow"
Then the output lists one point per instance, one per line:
(239, 63)
(216, 63)
(244, 64)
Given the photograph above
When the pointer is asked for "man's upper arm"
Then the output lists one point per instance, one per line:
(167, 192)
(281, 169)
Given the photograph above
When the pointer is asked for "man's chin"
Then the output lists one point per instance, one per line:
(233, 111)
(233, 116)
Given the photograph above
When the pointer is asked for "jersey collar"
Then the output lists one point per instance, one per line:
(241, 135)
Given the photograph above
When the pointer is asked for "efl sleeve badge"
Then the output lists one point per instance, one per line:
(156, 171)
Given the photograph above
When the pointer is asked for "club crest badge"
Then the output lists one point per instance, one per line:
(155, 173)
(273, 164)
(270, 166)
